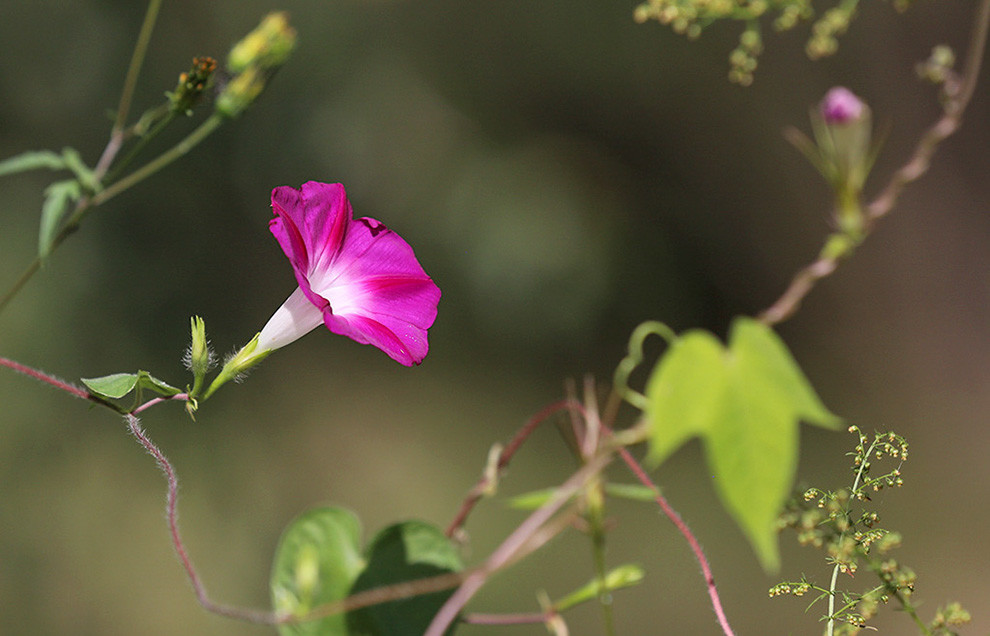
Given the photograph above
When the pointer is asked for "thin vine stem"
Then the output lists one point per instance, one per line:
(522, 540)
(130, 84)
(175, 152)
(486, 482)
(678, 522)
(62, 385)
(86, 204)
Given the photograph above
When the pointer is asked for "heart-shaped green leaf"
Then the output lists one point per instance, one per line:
(317, 561)
(744, 401)
(113, 386)
(400, 553)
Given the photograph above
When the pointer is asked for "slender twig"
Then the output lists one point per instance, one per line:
(147, 136)
(130, 83)
(916, 166)
(172, 516)
(699, 554)
(504, 458)
(175, 152)
(137, 61)
(505, 619)
(86, 204)
(516, 542)
(71, 389)
(158, 400)
(595, 500)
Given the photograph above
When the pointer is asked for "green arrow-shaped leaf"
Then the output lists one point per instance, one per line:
(745, 402)
(58, 197)
(32, 160)
(113, 386)
(618, 578)
(317, 561)
(117, 385)
(148, 381)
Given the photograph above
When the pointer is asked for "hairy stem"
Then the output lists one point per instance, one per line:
(675, 518)
(172, 516)
(71, 389)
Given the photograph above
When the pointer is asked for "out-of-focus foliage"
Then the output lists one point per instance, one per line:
(691, 17)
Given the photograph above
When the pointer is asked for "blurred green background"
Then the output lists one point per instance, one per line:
(563, 174)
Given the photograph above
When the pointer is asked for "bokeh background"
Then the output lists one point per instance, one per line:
(563, 174)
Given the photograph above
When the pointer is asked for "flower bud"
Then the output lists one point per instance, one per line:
(253, 61)
(240, 92)
(267, 47)
(840, 106)
(199, 358)
(843, 151)
(192, 84)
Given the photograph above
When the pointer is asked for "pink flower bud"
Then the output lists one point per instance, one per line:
(841, 106)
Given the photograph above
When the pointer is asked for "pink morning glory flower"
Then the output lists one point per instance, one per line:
(355, 276)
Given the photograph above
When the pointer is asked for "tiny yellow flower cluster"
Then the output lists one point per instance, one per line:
(690, 17)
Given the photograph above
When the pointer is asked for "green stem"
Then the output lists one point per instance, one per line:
(16, 287)
(137, 60)
(113, 146)
(118, 133)
(596, 521)
(88, 203)
(150, 168)
(830, 628)
(169, 115)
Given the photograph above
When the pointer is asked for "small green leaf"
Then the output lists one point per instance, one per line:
(531, 500)
(32, 160)
(622, 576)
(84, 175)
(113, 386)
(148, 381)
(401, 553)
(58, 197)
(744, 402)
(317, 561)
(118, 385)
(635, 492)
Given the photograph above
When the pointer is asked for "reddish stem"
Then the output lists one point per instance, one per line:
(504, 458)
(171, 509)
(699, 554)
(71, 389)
